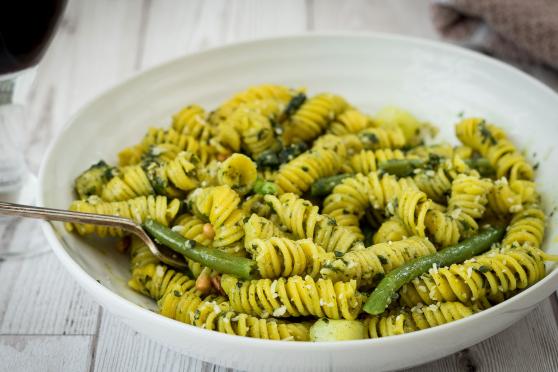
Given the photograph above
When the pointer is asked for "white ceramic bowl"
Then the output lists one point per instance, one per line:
(435, 81)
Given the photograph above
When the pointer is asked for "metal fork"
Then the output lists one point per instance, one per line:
(125, 224)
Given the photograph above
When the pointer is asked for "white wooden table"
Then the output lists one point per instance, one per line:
(46, 321)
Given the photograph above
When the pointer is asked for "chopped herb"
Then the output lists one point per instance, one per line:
(326, 320)
(305, 168)
(485, 133)
(268, 158)
(383, 260)
(293, 106)
(177, 293)
(262, 134)
(378, 277)
(483, 269)
(338, 254)
(371, 138)
(292, 151)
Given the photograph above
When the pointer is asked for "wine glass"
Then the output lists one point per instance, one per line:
(26, 29)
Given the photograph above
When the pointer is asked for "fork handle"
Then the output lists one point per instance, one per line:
(28, 211)
(126, 224)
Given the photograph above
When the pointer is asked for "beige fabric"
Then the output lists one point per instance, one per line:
(524, 31)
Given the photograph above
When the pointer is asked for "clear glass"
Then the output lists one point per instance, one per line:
(17, 183)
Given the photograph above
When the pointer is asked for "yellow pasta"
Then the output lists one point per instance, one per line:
(213, 314)
(300, 173)
(492, 143)
(138, 209)
(417, 318)
(368, 266)
(294, 296)
(282, 257)
(295, 183)
(494, 275)
(312, 118)
(304, 221)
(391, 230)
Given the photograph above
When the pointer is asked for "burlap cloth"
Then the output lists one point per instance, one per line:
(521, 31)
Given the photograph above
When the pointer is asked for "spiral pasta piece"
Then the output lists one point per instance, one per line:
(255, 204)
(214, 204)
(213, 314)
(493, 275)
(442, 150)
(526, 227)
(191, 121)
(508, 197)
(444, 228)
(282, 257)
(350, 121)
(382, 138)
(412, 208)
(300, 173)
(229, 235)
(437, 178)
(255, 131)
(351, 199)
(239, 172)
(130, 182)
(152, 278)
(313, 117)
(469, 196)
(368, 266)
(191, 227)
(492, 143)
(367, 161)
(304, 221)
(138, 209)
(294, 296)
(417, 318)
(181, 171)
(478, 134)
(159, 142)
(253, 95)
(219, 206)
(340, 145)
(391, 230)
(140, 255)
(348, 202)
(257, 227)
(169, 178)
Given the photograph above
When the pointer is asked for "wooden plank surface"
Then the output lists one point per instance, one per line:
(46, 321)
(42, 353)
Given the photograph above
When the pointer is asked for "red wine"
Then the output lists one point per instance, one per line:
(26, 28)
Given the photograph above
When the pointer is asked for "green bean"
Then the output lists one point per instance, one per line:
(242, 268)
(325, 185)
(293, 106)
(382, 295)
(401, 167)
(406, 167)
(264, 187)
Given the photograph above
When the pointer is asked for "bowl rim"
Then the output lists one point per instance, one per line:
(120, 305)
